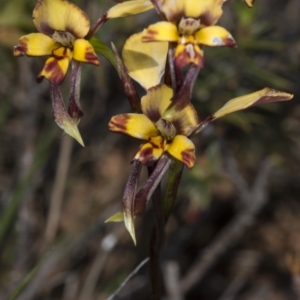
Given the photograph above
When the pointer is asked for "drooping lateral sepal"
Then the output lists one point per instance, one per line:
(61, 116)
(128, 201)
(144, 194)
(127, 83)
(74, 108)
(183, 97)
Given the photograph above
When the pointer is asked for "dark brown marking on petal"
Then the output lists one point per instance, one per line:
(145, 155)
(230, 42)
(118, 123)
(188, 157)
(270, 99)
(155, 146)
(189, 55)
(178, 125)
(66, 52)
(91, 57)
(53, 69)
(209, 119)
(150, 37)
(208, 19)
(146, 152)
(21, 48)
(153, 114)
(44, 28)
(176, 16)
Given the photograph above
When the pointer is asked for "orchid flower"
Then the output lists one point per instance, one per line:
(62, 28)
(189, 24)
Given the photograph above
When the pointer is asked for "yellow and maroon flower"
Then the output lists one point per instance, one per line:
(163, 131)
(62, 27)
(190, 23)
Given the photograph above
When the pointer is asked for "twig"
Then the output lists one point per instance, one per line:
(134, 272)
(106, 246)
(235, 176)
(171, 277)
(61, 252)
(56, 199)
(255, 200)
(296, 285)
(247, 265)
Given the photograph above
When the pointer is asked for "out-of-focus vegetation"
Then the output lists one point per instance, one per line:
(66, 251)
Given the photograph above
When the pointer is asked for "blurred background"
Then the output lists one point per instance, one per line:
(234, 232)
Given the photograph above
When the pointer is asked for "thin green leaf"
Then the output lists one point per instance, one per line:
(101, 48)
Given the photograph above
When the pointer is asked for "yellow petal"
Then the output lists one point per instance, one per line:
(55, 70)
(214, 36)
(151, 151)
(145, 62)
(161, 32)
(182, 149)
(35, 44)
(135, 125)
(156, 101)
(51, 15)
(184, 120)
(173, 10)
(129, 8)
(62, 52)
(84, 52)
(209, 11)
(61, 116)
(265, 95)
(186, 54)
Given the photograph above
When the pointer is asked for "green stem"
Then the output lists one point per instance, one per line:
(156, 244)
(157, 241)
(174, 177)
